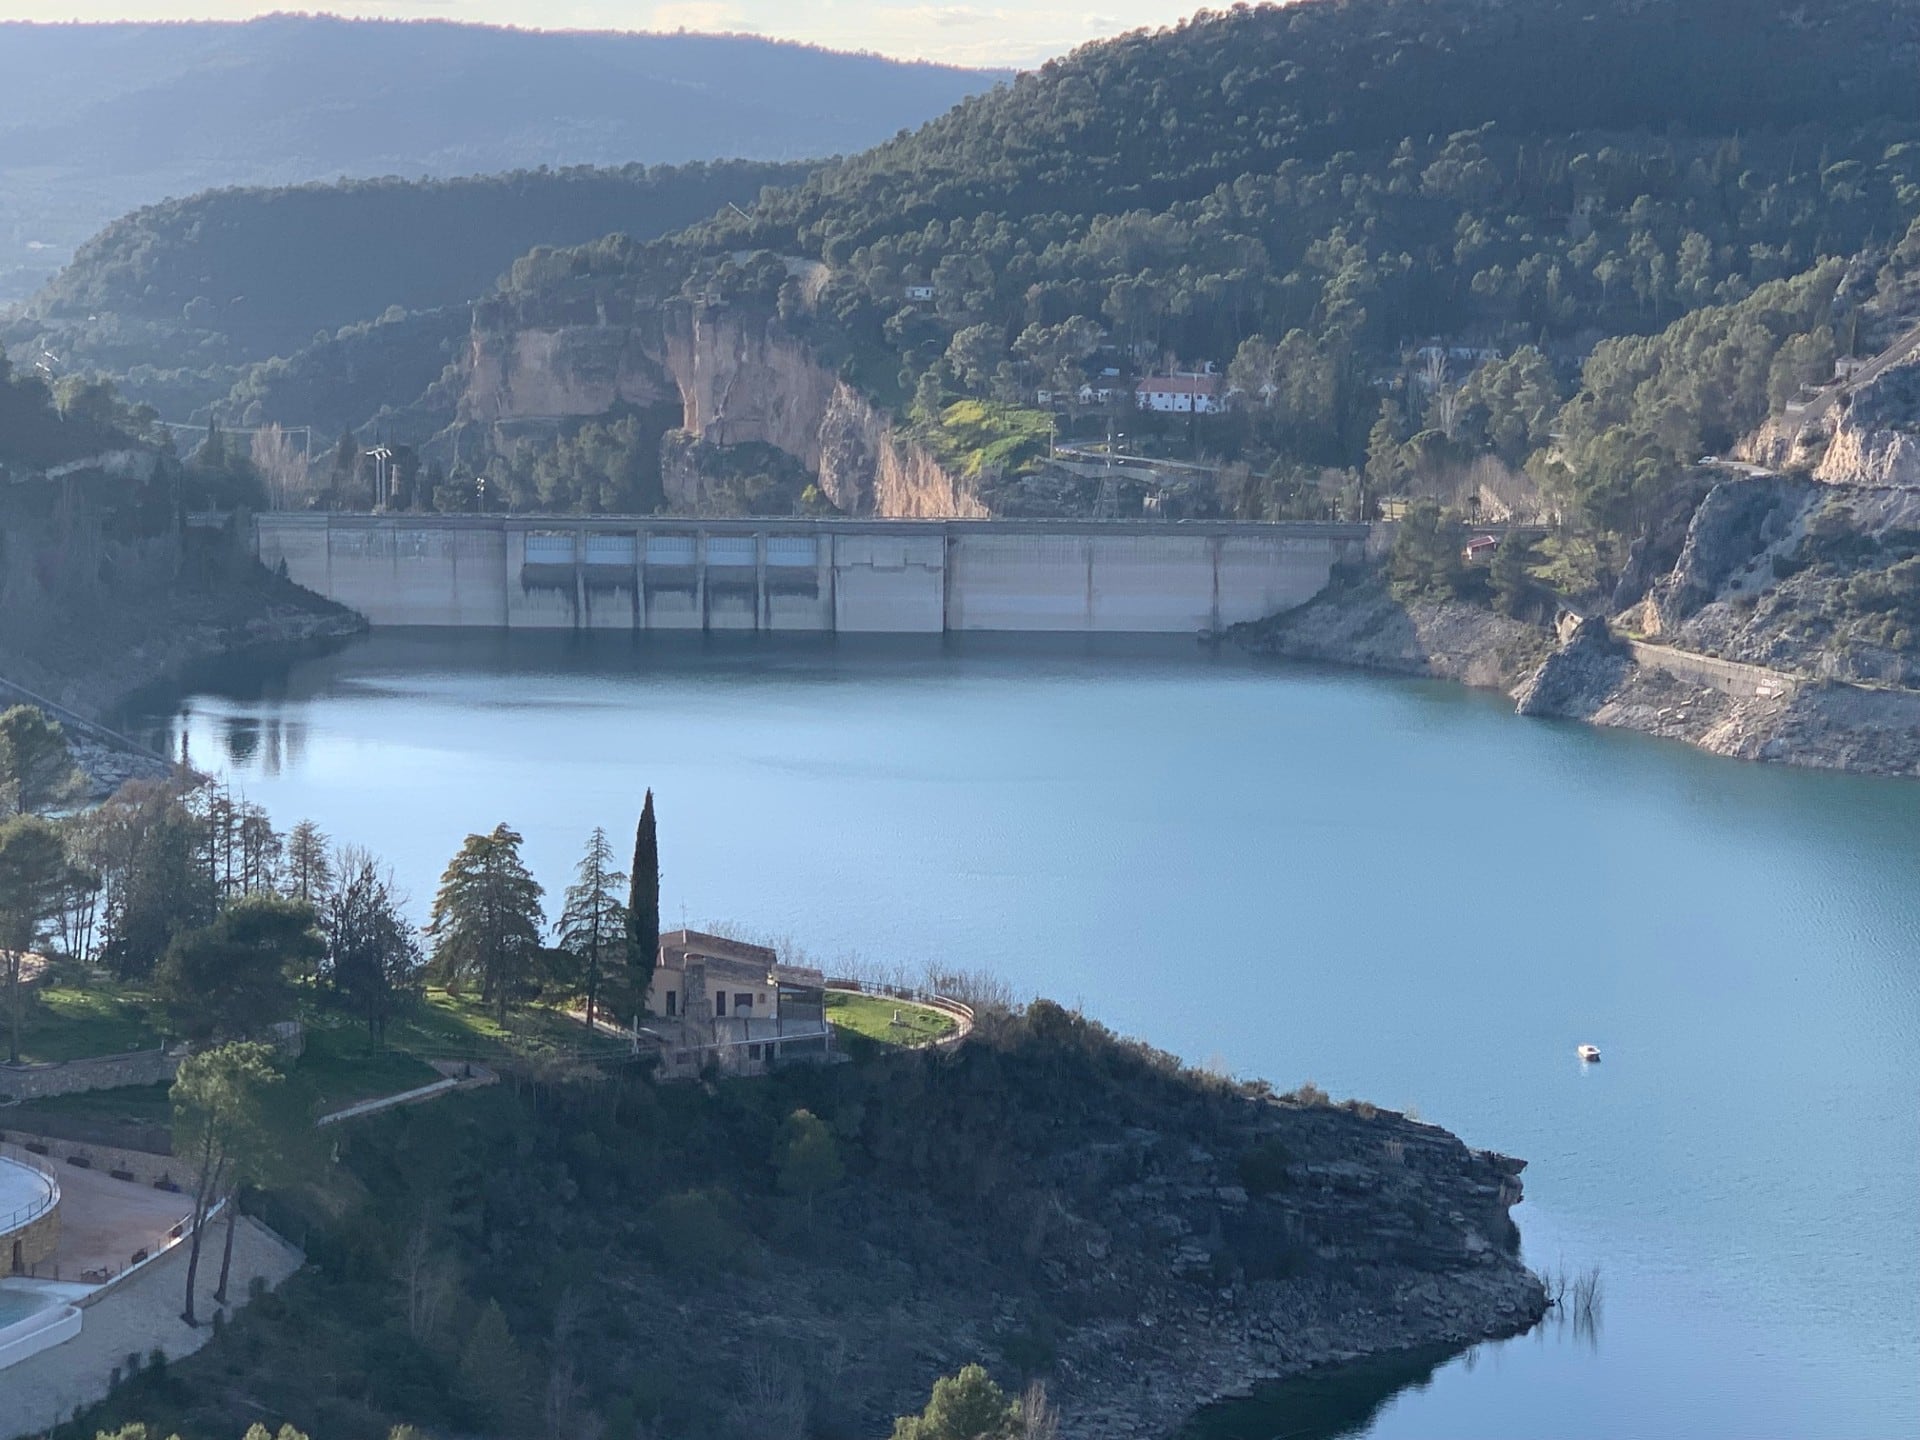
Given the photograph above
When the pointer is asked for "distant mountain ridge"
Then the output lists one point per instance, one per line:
(287, 98)
(266, 268)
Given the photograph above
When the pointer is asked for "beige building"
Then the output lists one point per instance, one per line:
(715, 1001)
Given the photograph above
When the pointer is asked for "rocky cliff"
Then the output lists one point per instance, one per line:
(1815, 580)
(740, 380)
(1785, 627)
(1876, 437)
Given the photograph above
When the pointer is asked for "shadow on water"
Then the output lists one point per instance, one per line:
(1342, 1400)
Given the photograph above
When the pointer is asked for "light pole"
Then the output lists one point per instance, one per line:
(382, 459)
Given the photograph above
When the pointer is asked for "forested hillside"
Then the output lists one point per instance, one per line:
(259, 271)
(98, 119)
(174, 297)
(1305, 196)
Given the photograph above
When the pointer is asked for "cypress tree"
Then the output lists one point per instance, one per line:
(643, 903)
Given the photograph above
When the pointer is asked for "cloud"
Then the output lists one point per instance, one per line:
(698, 15)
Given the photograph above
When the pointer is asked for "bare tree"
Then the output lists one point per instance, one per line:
(284, 468)
(1038, 1419)
(770, 1399)
(1444, 397)
(430, 1278)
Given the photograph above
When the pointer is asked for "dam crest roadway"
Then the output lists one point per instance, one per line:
(800, 575)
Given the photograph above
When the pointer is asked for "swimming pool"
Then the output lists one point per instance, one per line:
(35, 1316)
(17, 1305)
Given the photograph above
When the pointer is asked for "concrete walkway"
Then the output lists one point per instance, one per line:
(137, 1316)
(457, 1075)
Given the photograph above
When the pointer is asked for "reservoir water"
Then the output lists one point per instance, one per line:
(1395, 889)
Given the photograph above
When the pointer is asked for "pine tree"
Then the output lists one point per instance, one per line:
(309, 869)
(593, 923)
(643, 902)
(220, 1128)
(486, 919)
(36, 767)
(493, 1372)
(373, 953)
(33, 872)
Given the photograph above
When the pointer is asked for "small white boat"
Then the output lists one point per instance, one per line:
(1589, 1053)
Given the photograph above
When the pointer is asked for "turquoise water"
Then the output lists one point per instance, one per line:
(1397, 890)
(17, 1305)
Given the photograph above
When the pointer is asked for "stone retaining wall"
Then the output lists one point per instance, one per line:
(101, 1072)
(139, 1166)
(25, 1245)
(1729, 677)
(33, 1244)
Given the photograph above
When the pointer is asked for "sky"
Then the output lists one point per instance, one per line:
(960, 32)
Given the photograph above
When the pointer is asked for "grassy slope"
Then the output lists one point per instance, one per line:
(872, 1016)
(66, 1022)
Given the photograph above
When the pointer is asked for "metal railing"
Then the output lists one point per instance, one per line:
(24, 1215)
(958, 1010)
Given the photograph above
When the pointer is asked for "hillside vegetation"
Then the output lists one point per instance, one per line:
(98, 119)
(1303, 196)
(555, 1258)
(175, 297)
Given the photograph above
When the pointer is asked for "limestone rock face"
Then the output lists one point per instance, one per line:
(1876, 440)
(739, 379)
(1575, 680)
(1860, 456)
(559, 372)
(1737, 528)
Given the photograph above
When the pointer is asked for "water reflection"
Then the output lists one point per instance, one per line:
(243, 741)
(1323, 1405)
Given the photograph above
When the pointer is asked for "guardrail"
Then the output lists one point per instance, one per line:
(73, 720)
(24, 1215)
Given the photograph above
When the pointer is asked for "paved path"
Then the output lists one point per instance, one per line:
(104, 1220)
(455, 1075)
(136, 1316)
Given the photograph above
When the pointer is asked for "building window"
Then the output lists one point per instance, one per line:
(753, 1052)
(742, 1004)
(673, 1003)
(719, 1002)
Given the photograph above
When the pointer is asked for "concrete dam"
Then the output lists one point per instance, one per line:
(794, 575)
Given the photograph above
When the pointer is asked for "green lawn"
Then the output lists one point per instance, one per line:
(457, 1027)
(63, 1022)
(133, 1105)
(872, 1016)
(340, 1066)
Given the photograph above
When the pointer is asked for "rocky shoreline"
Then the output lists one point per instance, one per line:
(1585, 671)
(1403, 1262)
(83, 667)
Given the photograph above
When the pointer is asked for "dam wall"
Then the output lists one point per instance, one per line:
(832, 576)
